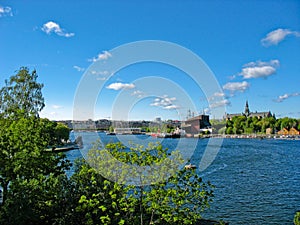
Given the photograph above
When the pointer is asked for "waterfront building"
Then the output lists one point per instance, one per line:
(269, 131)
(196, 124)
(127, 130)
(292, 131)
(248, 113)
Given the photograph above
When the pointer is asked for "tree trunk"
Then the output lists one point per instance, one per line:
(141, 204)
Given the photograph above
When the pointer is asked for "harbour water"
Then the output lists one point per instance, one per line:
(256, 181)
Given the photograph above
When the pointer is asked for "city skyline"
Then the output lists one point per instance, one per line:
(251, 47)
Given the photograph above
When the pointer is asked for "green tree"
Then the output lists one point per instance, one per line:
(238, 124)
(249, 130)
(297, 218)
(222, 130)
(179, 199)
(21, 95)
(278, 125)
(24, 165)
(111, 129)
(288, 123)
(255, 125)
(62, 133)
(229, 130)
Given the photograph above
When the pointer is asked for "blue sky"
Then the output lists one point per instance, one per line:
(252, 48)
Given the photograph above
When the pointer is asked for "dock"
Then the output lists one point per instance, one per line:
(63, 148)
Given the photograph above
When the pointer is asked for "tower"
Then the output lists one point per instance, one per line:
(247, 111)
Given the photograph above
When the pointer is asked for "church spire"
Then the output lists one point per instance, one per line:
(247, 111)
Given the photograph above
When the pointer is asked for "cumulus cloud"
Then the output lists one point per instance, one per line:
(216, 95)
(52, 27)
(104, 72)
(281, 98)
(221, 103)
(206, 111)
(138, 93)
(119, 86)
(219, 94)
(259, 69)
(78, 68)
(165, 102)
(276, 36)
(56, 106)
(101, 56)
(236, 86)
(100, 74)
(5, 11)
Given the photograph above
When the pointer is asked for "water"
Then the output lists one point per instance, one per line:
(257, 181)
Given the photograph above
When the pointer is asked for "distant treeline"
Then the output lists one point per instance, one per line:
(251, 125)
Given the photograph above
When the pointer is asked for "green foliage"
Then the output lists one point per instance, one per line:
(56, 133)
(222, 130)
(31, 179)
(179, 199)
(111, 129)
(219, 126)
(39, 200)
(22, 95)
(250, 125)
(297, 218)
(62, 133)
(229, 130)
(287, 123)
(37, 191)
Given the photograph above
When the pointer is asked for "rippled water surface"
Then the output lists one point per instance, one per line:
(257, 181)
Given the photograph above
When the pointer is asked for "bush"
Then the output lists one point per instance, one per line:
(297, 218)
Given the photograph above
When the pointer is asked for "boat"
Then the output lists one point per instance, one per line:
(178, 133)
(63, 148)
(172, 135)
(190, 166)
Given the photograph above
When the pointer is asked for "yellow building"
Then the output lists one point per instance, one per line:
(284, 131)
(292, 131)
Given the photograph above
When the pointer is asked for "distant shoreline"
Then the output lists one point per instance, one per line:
(229, 136)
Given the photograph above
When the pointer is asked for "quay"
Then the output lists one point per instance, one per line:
(63, 148)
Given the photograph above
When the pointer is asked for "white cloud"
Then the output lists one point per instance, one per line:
(101, 56)
(101, 75)
(101, 78)
(259, 69)
(216, 95)
(52, 27)
(219, 94)
(206, 111)
(171, 107)
(138, 93)
(236, 86)
(165, 102)
(5, 11)
(281, 98)
(56, 106)
(78, 68)
(104, 72)
(221, 103)
(118, 86)
(276, 36)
